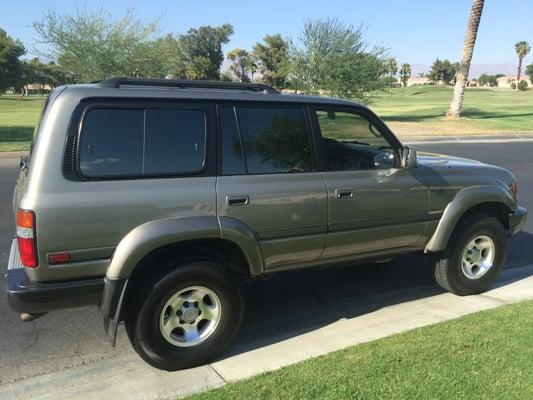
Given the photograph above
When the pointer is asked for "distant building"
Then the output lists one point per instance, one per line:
(417, 80)
(37, 86)
(507, 81)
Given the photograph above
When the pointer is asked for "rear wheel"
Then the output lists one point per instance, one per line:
(473, 258)
(187, 317)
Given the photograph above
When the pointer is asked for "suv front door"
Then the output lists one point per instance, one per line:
(268, 181)
(374, 204)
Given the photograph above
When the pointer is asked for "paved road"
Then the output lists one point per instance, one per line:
(289, 304)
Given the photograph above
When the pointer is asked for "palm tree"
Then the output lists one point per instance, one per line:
(392, 68)
(522, 49)
(405, 74)
(456, 106)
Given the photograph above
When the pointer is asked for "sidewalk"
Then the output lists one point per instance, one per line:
(129, 377)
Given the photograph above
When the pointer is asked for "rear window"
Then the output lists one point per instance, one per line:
(118, 142)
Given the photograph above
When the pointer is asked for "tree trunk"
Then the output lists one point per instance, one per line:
(456, 106)
(519, 72)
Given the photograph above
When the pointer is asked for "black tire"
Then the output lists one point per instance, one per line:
(142, 322)
(448, 264)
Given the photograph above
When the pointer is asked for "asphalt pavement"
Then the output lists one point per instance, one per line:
(290, 304)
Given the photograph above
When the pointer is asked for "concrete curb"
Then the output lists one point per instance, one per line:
(128, 377)
(467, 138)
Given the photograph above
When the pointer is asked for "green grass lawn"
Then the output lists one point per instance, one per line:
(420, 110)
(487, 355)
(17, 120)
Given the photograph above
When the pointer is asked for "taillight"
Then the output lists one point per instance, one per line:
(26, 238)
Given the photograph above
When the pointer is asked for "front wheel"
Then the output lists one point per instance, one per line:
(473, 258)
(187, 317)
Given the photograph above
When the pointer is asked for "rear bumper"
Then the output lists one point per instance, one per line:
(517, 220)
(25, 296)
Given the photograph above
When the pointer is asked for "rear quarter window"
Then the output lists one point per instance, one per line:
(120, 142)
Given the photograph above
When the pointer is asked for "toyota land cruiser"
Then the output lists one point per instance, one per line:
(154, 199)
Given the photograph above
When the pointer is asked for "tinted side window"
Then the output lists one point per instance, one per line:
(135, 142)
(231, 151)
(275, 140)
(174, 142)
(352, 142)
(111, 143)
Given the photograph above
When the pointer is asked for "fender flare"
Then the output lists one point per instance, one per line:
(463, 201)
(149, 236)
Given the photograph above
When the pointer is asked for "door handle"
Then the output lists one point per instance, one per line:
(240, 200)
(345, 193)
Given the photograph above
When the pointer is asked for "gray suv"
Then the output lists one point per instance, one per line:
(154, 199)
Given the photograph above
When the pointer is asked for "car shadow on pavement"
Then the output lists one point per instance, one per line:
(292, 303)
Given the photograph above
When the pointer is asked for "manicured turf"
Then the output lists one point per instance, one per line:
(420, 110)
(17, 120)
(487, 355)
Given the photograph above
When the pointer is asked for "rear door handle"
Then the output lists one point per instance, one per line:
(344, 193)
(240, 200)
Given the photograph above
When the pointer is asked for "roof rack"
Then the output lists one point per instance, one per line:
(187, 84)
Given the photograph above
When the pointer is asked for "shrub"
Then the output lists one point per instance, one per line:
(513, 85)
(522, 85)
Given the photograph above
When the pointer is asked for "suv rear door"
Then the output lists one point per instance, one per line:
(269, 181)
(374, 204)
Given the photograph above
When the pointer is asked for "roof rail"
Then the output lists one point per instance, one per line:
(187, 84)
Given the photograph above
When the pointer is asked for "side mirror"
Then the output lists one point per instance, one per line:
(408, 157)
(384, 159)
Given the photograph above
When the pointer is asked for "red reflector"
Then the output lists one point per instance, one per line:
(58, 258)
(28, 255)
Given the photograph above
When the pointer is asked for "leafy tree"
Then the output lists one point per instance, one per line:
(240, 62)
(252, 65)
(392, 68)
(405, 74)
(442, 71)
(202, 50)
(463, 67)
(522, 49)
(57, 75)
(488, 80)
(10, 65)
(272, 60)
(36, 72)
(529, 72)
(226, 77)
(333, 58)
(94, 47)
(167, 56)
(522, 85)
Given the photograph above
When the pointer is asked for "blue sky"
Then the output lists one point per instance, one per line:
(415, 31)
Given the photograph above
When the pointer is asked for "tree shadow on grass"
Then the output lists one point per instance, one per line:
(15, 134)
(478, 113)
(439, 112)
(429, 114)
